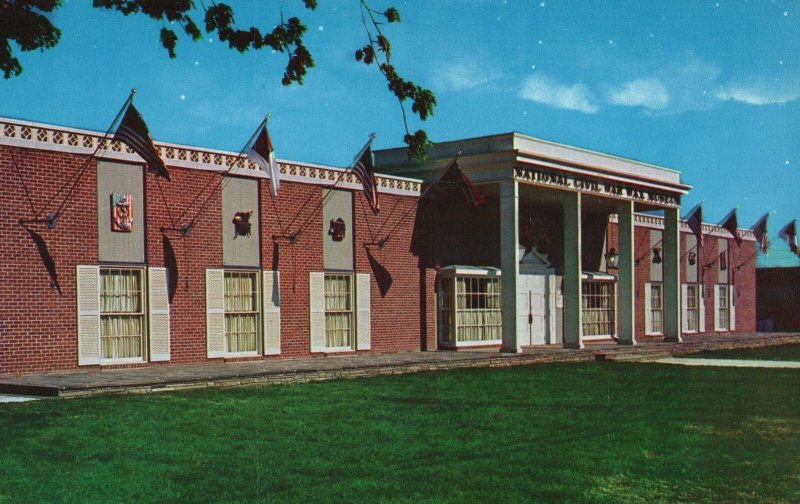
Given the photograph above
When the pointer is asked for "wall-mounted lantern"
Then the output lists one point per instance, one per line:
(612, 258)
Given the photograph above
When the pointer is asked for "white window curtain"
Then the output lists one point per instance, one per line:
(121, 316)
(338, 311)
(241, 312)
(478, 312)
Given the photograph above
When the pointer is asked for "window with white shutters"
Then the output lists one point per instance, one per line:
(339, 327)
(122, 320)
(339, 311)
(692, 302)
(241, 312)
(654, 308)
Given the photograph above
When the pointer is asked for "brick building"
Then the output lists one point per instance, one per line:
(84, 294)
(571, 246)
(208, 267)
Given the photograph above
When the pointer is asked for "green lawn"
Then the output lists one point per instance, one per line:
(777, 353)
(592, 432)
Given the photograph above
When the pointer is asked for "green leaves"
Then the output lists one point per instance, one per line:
(392, 15)
(416, 144)
(24, 22)
(422, 100)
(168, 40)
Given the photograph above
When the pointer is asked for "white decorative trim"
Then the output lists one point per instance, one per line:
(656, 222)
(26, 134)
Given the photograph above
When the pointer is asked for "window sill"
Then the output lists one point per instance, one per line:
(598, 337)
(337, 349)
(467, 344)
(114, 362)
(235, 355)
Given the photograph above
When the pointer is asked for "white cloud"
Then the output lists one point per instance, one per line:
(542, 89)
(463, 76)
(648, 93)
(756, 95)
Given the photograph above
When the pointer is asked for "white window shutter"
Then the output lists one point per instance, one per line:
(363, 319)
(215, 313)
(316, 306)
(648, 322)
(88, 278)
(685, 307)
(271, 293)
(732, 307)
(702, 305)
(158, 313)
(716, 308)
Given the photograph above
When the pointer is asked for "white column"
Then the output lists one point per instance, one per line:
(625, 286)
(573, 326)
(509, 262)
(672, 275)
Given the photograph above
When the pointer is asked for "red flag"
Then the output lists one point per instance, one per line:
(455, 177)
(262, 154)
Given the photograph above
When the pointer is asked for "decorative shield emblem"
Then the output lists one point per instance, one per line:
(241, 223)
(122, 212)
(337, 229)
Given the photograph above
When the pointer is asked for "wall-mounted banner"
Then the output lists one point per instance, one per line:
(241, 223)
(121, 212)
(604, 188)
(337, 229)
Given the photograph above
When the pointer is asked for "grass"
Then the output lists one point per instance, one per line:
(592, 432)
(775, 353)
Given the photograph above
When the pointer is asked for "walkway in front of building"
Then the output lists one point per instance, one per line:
(170, 377)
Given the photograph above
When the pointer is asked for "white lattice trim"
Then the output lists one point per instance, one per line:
(17, 133)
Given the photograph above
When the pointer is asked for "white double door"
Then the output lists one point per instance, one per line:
(535, 310)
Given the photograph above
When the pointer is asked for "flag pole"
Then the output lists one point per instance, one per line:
(186, 227)
(292, 237)
(51, 219)
(383, 241)
(363, 149)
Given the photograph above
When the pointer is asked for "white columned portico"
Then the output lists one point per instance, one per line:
(573, 322)
(672, 275)
(626, 327)
(509, 262)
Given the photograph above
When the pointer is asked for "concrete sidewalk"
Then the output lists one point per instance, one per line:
(730, 363)
(167, 377)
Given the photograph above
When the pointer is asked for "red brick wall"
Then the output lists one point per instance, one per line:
(38, 327)
(37, 324)
(201, 249)
(743, 278)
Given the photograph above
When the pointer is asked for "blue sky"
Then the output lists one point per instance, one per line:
(711, 88)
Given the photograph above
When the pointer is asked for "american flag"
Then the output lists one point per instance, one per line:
(695, 222)
(133, 131)
(365, 171)
(789, 234)
(262, 154)
(731, 224)
(760, 232)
